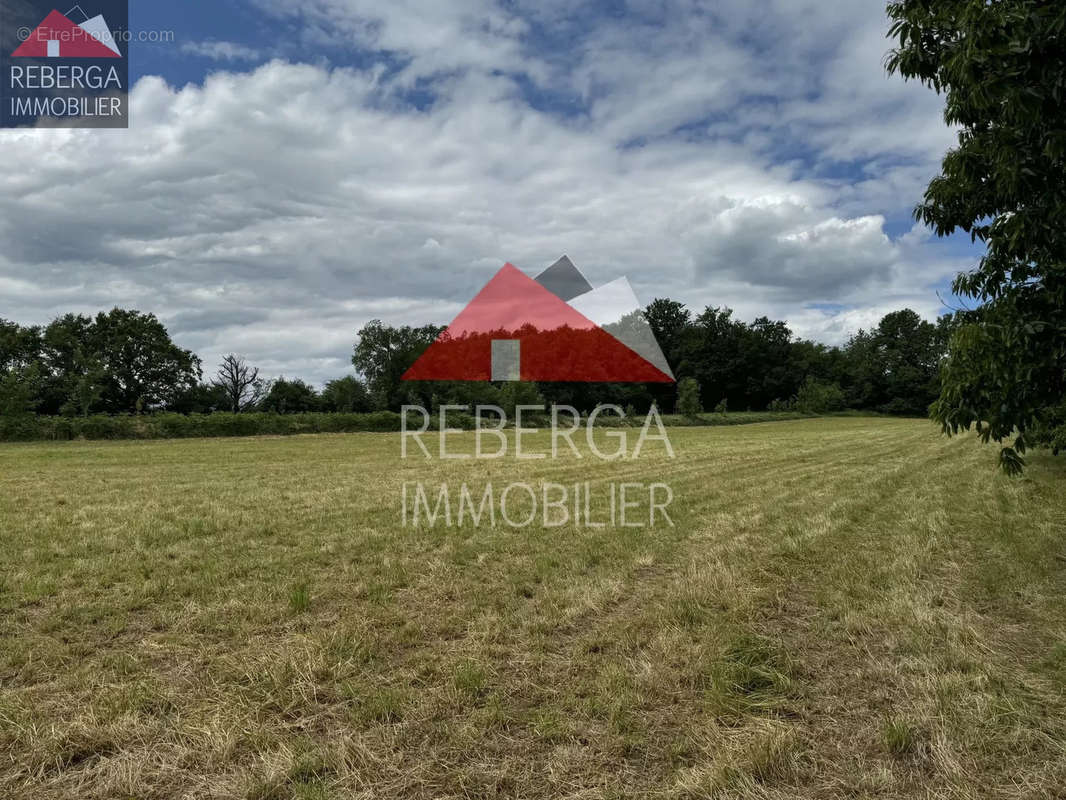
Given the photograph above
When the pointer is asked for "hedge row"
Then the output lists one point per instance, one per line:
(179, 426)
(711, 419)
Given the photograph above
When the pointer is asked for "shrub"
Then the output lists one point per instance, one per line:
(688, 398)
(26, 428)
(1050, 429)
(815, 397)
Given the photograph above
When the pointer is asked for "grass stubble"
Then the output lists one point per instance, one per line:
(845, 608)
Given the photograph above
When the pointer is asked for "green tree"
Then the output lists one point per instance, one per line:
(87, 386)
(668, 319)
(203, 398)
(121, 362)
(19, 347)
(518, 393)
(765, 350)
(816, 397)
(21, 371)
(863, 374)
(1002, 68)
(19, 388)
(384, 353)
(710, 350)
(290, 397)
(72, 371)
(688, 397)
(908, 351)
(142, 368)
(894, 368)
(345, 395)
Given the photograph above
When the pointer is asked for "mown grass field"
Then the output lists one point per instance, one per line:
(846, 608)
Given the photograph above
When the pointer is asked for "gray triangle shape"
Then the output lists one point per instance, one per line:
(564, 280)
(615, 308)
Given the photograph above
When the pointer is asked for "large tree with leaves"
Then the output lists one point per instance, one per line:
(345, 395)
(20, 369)
(1002, 67)
(383, 353)
(142, 368)
(290, 397)
(73, 368)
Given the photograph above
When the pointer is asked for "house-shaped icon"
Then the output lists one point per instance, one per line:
(517, 329)
(58, 37)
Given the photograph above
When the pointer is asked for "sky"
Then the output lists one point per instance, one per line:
(294, 170)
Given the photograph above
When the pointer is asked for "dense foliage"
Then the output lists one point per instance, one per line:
(166, 425)
(688, 397)
(1002, 69)
(720, 362)
(118, 362)
(124, 363)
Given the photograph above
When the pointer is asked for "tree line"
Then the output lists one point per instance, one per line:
(124, 362)
(893, 368)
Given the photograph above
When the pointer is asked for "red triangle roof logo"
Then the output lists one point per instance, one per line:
(544, 339)
(58, 37)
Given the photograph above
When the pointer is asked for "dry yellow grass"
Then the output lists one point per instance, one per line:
(847, 607)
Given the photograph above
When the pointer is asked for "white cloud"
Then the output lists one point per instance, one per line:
(221, 51)
(434, 37)
(274, 212)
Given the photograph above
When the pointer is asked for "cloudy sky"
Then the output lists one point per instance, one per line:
(293, 170)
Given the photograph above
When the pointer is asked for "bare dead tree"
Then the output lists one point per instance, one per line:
(241, 383)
